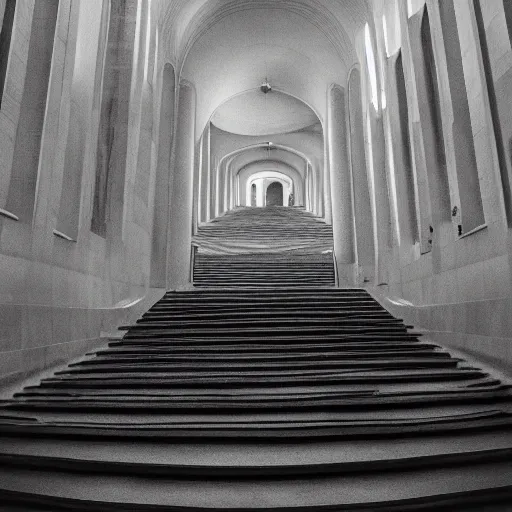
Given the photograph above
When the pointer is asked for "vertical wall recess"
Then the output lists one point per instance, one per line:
(362, 205)
(433, 137)
(406, 193)
(143, 181)
(163, 181)
(90, 23)
(22, 187)
(5, 42)
(471, 209)
(114, 113)
(500, 107)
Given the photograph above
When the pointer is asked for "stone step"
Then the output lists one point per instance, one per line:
(248, 460)
(448, 487)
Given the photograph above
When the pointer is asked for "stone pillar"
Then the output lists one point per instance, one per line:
(206, 174)
(341, 187)
(227, 187)
(233, 193)
(260, 192)
(220, 189)
(195, 193)
(382, 213)
(213, 182)
(327, 184)
(180, 238)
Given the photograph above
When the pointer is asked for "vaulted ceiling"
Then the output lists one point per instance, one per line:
(254, 113)
(228, 47)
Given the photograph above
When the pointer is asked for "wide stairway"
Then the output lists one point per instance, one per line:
(272, 246)
(283, 399)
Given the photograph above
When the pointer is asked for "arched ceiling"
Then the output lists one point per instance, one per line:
(308, 142)
(274, 160)
(255, 113)
(183, 21)
(227, 47)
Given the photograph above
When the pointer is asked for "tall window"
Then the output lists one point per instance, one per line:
(372, 69)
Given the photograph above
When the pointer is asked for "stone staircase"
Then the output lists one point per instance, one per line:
(291, 399)
(292, 268)
(272, 246)
(270, 229)
(266, 399)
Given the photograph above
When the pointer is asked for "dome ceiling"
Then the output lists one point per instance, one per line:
(255, 113)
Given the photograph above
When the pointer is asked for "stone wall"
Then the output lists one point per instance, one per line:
(457, 287)
(453, 267)
(61, 285)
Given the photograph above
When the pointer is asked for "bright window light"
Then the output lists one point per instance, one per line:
(372, 70)
(391, 160)
(148, 41)
(386, 38)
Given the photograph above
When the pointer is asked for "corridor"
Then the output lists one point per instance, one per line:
(255, 255)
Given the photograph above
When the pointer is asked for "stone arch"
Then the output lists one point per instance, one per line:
(263, 179)
(274, 194)
(233, 186)
(247, 172)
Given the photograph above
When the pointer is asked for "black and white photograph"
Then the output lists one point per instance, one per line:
(256, 255)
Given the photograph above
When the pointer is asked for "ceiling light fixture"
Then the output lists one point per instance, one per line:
(265, 87)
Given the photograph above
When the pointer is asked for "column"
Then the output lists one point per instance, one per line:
(206, 174)
(328, 169)
(381, 207)
(341, 187)
(180, 238)
(220, 189)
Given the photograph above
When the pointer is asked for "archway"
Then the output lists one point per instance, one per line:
(262, 178)
(274, 194)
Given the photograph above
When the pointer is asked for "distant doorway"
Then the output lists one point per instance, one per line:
(253, 194)
(274, 195)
